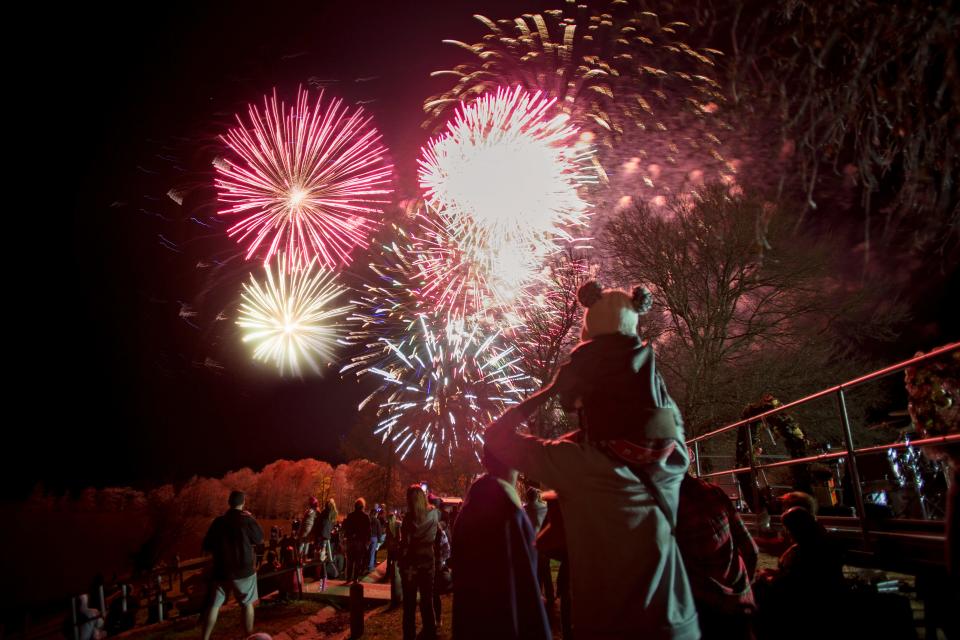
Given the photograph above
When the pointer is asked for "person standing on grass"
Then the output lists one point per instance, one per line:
(231, 539)
(418, 532)
(356, 529)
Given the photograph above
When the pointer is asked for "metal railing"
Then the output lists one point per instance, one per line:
(849, 452)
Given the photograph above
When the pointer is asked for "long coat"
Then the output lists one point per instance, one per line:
(495, 589)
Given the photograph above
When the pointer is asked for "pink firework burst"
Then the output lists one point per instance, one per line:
(308, 181)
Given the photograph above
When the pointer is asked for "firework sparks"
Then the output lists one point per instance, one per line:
(442, 379)
(290, 318)
(504, 180)
(506, 172)
(473, 279)
(310, 181)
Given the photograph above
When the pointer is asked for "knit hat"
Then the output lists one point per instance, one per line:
(612, 311)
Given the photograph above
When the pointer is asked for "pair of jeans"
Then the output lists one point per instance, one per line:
(374, 545)
(415, 579)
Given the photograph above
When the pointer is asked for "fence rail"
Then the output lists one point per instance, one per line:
(849, 452)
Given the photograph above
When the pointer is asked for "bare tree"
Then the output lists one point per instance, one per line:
(744, 305)
(549, 332)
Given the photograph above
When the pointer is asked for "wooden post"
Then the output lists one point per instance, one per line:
(356, 610)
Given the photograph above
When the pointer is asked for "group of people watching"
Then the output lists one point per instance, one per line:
(645, 550)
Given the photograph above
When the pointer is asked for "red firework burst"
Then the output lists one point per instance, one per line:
(308, 181)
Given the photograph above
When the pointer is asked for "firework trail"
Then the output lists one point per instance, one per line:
(441, 379)
(290, 318)
(308, 181)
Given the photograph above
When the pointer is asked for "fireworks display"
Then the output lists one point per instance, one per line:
(504, 181)
(441, 379)
(468, 280)
(290, 317)
(308, 181)
(626, 77)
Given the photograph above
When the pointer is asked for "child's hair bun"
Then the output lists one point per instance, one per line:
(589, 293)
(642, 299)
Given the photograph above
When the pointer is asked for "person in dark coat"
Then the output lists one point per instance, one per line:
(356, 529)
(495, 588)
(231, 539)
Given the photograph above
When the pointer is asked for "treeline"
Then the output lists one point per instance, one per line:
(278, 491)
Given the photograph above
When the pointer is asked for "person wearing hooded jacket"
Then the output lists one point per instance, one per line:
(618, 484)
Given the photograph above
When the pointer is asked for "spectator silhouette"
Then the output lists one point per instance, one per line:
(305, 534)
(495, 590)
(418, 534)
(809, 578)
(356, 529)
(231, 539)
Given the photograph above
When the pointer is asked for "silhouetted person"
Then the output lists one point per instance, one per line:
(326, 520)
(418, 533)
(809, 578)
(356, 529)
(495, 589)
(305, 534)
(89, 620)
(392, 543)
(270, 565)
(230, 540)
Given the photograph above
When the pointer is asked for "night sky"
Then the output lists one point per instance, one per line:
(107, 384)
(112, 383)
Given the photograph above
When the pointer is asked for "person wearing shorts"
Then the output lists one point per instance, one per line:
(231, 540)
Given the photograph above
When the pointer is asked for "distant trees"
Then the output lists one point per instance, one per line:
(279, 491)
